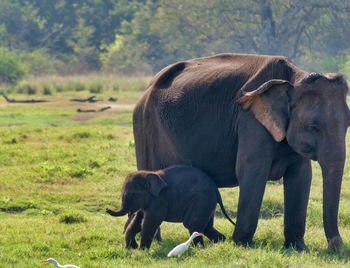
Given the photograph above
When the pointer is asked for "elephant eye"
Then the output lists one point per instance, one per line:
(313, 128)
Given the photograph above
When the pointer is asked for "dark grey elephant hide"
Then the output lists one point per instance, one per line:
(246, 119)
(175, 194)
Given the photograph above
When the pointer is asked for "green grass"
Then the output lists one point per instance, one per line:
(60, 170)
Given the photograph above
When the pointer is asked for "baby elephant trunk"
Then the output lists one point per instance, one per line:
(118, 213)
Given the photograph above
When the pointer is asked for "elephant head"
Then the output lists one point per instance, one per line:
(138, 191)
(313, 116)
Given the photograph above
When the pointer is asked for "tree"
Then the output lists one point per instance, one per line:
(10, 68)
(297, 29)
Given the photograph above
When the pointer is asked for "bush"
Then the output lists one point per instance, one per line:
(39, 62)
(82, 135)
(79, 86)
(26, 88)
(11, 70)
(96, 87)
(47, 89)
(71, 217)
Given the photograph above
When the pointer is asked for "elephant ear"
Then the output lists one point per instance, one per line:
(155, 183)
(270, 105)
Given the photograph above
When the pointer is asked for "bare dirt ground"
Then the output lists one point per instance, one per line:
(118, 106)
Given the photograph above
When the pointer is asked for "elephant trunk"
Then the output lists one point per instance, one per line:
(118, 213)
(332, 172)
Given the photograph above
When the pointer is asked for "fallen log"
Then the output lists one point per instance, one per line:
(113, 99)
(104, 108)
(22, 101)
(90, 99)
(80, 110)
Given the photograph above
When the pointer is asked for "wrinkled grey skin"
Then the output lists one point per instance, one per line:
(244, 120)
(175, 194)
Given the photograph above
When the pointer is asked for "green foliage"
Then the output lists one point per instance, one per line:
(82, 135)
(122, 36)
(11, 70)
(47, 90)
(26, 88)
(78, 86)
(96, 88)
(331, 64)
(72, 217)
(11, 206)
(83, 84)
(40, 62)
(345, 67)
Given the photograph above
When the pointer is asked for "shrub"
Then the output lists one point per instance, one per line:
(96, 87)
(47, 89)
(26, 88)
(82, 135)
(11, 70)
(59, 88)
(16, 206)
(72, 217)
(80, 172)
(79, 86)
(39, 62)
(11, 141)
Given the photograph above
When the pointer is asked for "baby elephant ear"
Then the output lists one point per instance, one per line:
(156, 183)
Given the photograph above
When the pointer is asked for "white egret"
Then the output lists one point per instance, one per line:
(58, 265)
(179, 249)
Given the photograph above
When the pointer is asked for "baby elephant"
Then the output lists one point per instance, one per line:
(175, 194)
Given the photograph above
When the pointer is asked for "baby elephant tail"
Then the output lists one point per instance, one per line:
(222, 207)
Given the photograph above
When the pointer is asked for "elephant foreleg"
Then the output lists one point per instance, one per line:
(252, 171)
(153, 217)
(251, 191)
(132, 227)
(296, 181)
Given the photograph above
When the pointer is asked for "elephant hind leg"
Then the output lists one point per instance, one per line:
(198, 239)
(196, 226)
(213, 234)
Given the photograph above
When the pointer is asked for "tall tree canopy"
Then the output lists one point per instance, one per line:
(130, 35)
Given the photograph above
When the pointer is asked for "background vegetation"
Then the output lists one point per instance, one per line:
(143, 36)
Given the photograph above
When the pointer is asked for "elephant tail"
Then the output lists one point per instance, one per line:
(219, 200)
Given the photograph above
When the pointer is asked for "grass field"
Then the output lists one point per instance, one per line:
(59, 169)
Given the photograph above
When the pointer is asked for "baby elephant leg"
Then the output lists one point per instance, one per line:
(132, 227)
(157, 235)
(213, 234)
(196, 224)
(197, 240)
(200, 218)
(131, 216)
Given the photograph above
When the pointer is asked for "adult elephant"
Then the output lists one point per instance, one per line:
(247, 119)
